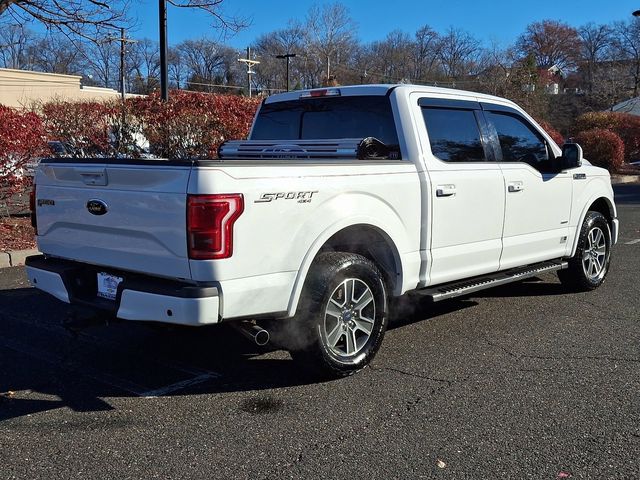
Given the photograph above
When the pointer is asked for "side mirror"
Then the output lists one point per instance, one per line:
(571, 156)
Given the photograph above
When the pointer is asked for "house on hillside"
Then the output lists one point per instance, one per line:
(631, 106)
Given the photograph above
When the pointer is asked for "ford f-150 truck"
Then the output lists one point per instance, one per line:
(340, 200)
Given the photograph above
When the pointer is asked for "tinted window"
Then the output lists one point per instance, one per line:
(329, 117)
(454, 134)
(519, 142)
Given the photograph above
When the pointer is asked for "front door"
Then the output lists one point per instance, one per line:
(538, 196)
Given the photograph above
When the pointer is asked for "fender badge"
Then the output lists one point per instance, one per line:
(97, 207)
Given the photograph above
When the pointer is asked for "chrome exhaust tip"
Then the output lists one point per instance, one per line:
(253, 332)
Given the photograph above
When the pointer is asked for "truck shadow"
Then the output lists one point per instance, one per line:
(44, 366)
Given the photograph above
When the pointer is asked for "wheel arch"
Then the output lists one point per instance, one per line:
(598, 203)
(361, 237)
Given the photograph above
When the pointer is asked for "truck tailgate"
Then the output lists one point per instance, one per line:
(130, 217)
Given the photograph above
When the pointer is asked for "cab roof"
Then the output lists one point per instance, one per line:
(381, 89)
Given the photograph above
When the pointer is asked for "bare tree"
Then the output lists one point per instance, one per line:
(458, 52)
(143, 66)
(56, 54)
(626, 46)
(89, 19)
(271, 72)
(331, 33)
(595, 42)
(207, 63)
(177, 68)
(82, 18)
(393, 57)
(103, 63)
(427, 50)
(15, 47)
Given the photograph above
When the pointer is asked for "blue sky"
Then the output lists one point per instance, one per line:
(489, 20)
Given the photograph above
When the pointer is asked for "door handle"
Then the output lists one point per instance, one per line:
(445, 190)
(515, 187)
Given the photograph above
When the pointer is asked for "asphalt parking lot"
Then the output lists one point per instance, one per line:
(522, 381)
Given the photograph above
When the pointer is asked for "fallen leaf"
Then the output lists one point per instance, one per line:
(441, 464)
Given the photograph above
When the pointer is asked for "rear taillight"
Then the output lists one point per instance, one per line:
(210, 220)
(32, 208)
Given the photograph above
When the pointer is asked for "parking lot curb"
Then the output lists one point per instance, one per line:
(15, 258)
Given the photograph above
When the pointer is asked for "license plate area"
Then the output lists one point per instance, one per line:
(107, 285)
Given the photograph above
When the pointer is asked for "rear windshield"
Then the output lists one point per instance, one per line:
(328, 117)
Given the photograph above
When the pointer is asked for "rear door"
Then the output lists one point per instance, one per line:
(129, 217)
(467, 195)
(538, 194)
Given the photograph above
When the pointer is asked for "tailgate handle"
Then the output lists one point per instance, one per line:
(93, 176)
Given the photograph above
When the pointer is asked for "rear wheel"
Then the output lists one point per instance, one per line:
(342, 315)
(590, 265)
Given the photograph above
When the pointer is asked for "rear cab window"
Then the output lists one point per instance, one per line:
(328, 118)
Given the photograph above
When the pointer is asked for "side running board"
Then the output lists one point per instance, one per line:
(465, 287)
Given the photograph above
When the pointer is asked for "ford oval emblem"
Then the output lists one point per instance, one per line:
(97, 207)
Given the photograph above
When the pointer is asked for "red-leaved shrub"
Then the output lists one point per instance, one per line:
(553, 133)
(625, 125)
(85, 127)
(192, 125)
(602, 147)
(22, 139)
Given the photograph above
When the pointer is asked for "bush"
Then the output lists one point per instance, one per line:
(625, 125)
(602, 147)
(553, 133)
(192, 125)
(22, 140)
(85, 127)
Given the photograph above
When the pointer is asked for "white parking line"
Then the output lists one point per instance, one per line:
(160, 392)
(200, 375)
(633, 242)
(81, 370)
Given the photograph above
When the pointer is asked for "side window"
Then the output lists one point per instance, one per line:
(454, 134)
(519, 141)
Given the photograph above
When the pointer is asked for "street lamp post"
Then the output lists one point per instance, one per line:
(164, 69)
(288, 57)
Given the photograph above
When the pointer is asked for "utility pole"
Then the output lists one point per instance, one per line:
(164, 69)
(288, 57)
(123, 81)
(123, 52)
(249, 63)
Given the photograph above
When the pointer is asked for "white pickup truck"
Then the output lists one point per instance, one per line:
(341, 199)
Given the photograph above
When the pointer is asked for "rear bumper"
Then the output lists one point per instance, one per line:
(139, 297)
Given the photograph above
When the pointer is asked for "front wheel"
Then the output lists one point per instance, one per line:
(590, 265)
(342, 315)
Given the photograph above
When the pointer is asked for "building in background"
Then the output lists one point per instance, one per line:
(631, 106)
(21, 88)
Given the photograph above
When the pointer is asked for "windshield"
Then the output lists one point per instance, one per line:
(328, 117)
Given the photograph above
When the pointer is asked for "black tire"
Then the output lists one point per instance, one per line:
(580, 276)
(332, 277)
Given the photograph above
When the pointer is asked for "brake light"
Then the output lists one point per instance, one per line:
(324, 92)
(32, 208)
(210, 220)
